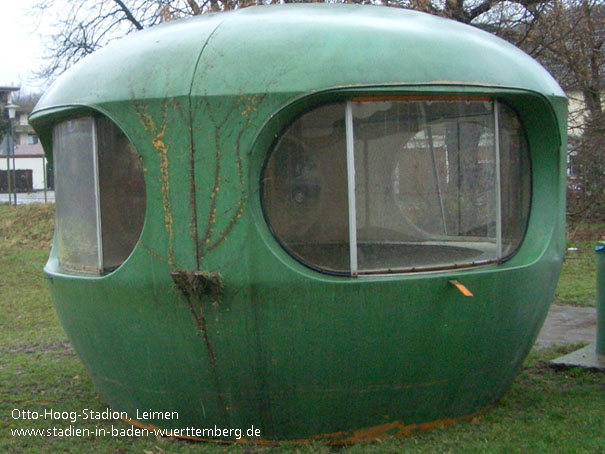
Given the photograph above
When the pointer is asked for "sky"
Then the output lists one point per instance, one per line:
(21, 46)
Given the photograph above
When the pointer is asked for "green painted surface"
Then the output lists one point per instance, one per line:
(292, 351)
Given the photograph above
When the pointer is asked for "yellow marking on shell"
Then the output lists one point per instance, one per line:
(160, 146)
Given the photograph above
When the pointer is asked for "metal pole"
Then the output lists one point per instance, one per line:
(9, 144)
(44, 177)
(14, 166)
(600, 250)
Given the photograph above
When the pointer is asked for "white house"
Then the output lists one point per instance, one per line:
(31, 172)
(28, 169)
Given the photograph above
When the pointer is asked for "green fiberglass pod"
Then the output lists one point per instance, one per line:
(274, 217)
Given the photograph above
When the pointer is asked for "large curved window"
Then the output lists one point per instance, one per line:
(100, 194)
(378, 186)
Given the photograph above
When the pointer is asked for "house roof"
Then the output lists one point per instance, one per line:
(8, 89)
(5, 91)
(24, 151)
(296, 48)
(29, 151)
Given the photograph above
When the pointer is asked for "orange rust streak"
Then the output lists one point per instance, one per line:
(152, 428)
(395, 429)
(160, 146)
(132, 422)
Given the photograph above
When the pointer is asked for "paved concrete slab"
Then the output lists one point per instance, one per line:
(586, 358)
(568, 325)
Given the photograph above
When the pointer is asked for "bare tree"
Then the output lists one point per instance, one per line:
(568, 38)
(586, 199)
(26, 100)
(565, 35)
(83, 26)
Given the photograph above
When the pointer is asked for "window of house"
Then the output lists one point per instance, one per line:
(100, 195)
(383, 186)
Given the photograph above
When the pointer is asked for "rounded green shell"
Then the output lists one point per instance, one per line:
(275, 345)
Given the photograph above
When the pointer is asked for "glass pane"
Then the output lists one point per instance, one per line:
(122, 188)
(305, 189)
(515, 179)
(76, 192)
(424, 184)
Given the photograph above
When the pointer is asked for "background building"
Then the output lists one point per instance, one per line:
(29, 171)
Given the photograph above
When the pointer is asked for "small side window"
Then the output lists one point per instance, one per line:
(100, 194)
(77, 196)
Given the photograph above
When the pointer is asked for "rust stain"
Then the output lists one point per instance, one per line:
(196, 286)
(239, 209)
(159, 144)
(193, 225)
(200, 320)
(192, 192)
(250, 106)
(211, 222)
(153, 253)
(394, 429)
(152, 428)
(398, 429)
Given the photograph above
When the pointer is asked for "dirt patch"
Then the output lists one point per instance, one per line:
(62, 348)
(27, 226)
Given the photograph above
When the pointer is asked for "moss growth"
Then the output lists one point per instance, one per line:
(200, 284)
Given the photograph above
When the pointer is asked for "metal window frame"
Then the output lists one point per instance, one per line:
(95, 148)
(498, 181)
(351, 187)
(352, 208)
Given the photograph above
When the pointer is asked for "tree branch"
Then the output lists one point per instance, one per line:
(482, 8)
(129, 15)
(194, 7)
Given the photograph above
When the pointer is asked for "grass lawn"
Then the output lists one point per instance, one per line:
(577, 285)
(545, 411)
